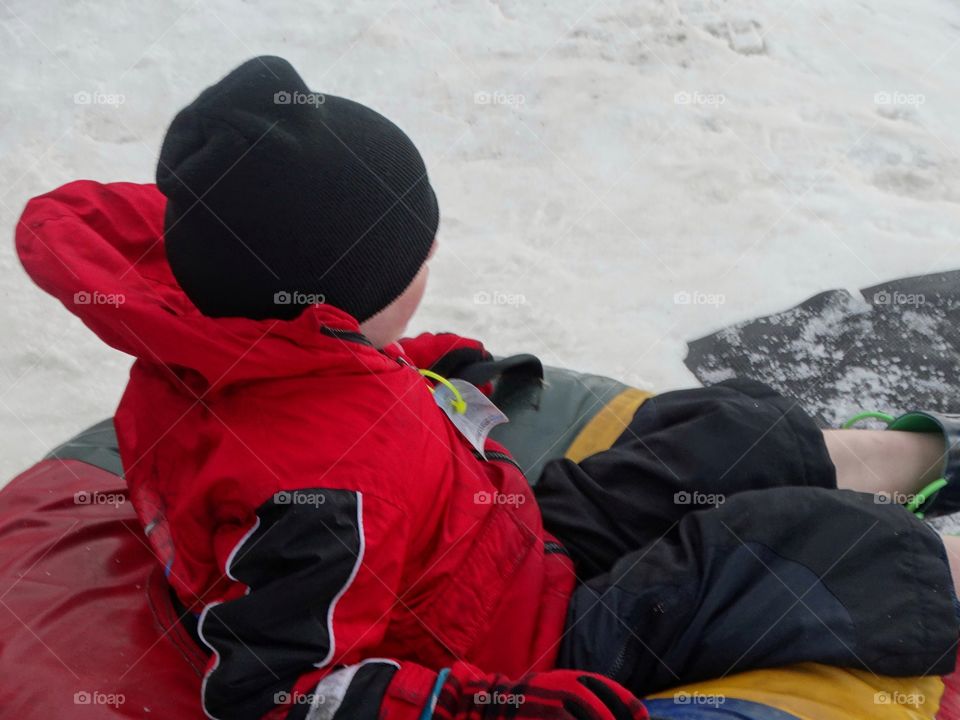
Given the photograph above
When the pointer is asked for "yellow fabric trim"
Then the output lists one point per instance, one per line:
(607, 425)
(820, 692)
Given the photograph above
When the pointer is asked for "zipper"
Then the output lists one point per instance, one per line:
(620, 661)
(342, 334)
(554, 548)
(630, 644)
(497, 456)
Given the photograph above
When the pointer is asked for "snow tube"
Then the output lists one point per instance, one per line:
(89, 628)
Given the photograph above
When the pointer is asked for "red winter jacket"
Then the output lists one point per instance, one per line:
(307, 497)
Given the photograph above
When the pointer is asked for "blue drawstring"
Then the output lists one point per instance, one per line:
(435, 695)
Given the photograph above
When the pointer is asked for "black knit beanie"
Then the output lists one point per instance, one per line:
(278, 197)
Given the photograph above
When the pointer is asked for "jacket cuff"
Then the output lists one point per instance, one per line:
(409, 692)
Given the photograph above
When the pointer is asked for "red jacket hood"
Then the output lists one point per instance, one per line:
(99, 249)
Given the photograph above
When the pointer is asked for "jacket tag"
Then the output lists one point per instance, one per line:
(478, 418)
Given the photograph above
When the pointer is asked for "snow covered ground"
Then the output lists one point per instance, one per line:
(615, 177)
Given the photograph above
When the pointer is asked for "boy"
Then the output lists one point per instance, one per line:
(316, 510)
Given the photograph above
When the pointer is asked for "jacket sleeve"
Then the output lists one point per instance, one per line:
(407, 691)
(312, 584)
(463, 692)
(444, 353)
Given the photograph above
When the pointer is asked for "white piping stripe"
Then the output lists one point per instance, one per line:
(233, 553)
(206, 609)
(216, 663)
(330, 654)
(356, 569)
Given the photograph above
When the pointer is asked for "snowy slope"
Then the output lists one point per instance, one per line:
(592, 159)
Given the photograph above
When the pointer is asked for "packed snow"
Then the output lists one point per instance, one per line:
(616, 178)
